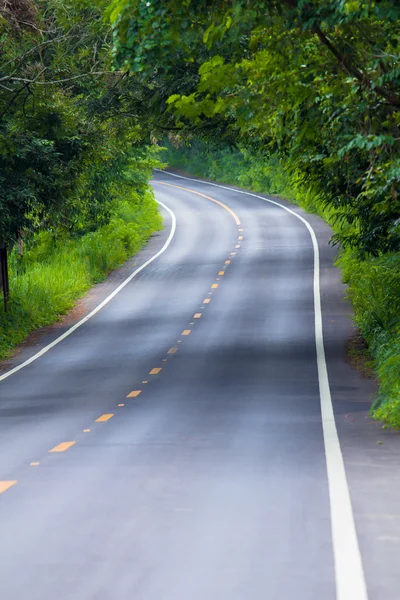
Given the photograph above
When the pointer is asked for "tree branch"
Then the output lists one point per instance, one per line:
(390, 97)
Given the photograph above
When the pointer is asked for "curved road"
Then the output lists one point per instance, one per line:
(173, 447)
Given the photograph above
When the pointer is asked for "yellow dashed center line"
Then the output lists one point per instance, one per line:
(5, 485)
(237, 246)
(233, 253)
(197, 316)
(221, 272)
(186, 332)
(240, 237)
(172, 350)
(207, 300)
(230, 211)
(62, 447)
(35, 464)
(227, 262)
(104, 418)
(86, 430)
(121, 404)
(214, 286)
(155, 371)
(135, 393)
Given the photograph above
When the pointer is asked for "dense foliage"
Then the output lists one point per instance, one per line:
(70, 138)
(316, 83)
(75, 159)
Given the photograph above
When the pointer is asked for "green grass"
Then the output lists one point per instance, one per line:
(373, 283)
(55, 272)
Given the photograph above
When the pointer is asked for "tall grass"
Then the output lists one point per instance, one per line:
(373, 283)
(55, 271)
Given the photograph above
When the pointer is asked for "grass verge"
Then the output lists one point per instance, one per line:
(56, 271)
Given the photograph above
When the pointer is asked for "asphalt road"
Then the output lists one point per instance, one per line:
(218, 478)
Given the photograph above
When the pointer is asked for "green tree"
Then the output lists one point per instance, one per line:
(315, 83)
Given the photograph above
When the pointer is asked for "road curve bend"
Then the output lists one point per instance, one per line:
(186, 441)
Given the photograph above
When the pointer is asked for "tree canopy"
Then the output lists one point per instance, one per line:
(315, 82)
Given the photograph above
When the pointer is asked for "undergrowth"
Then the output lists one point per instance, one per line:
(373, 282)
(56, 270)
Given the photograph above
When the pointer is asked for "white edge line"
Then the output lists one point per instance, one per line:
(349, 572)
(100, 306)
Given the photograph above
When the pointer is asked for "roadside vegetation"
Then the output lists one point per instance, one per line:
(75, 159)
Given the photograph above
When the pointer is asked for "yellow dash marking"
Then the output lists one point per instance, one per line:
(237, 246)
(233, 253)
(186, 332)
(35, 464)
(104, 418)
(221, 273)
(207, 300)
(214, 286)
(135, 393)
(172, 350)
(5, 485)
(86, 430)
(240, 237)
(196, 315)
(155, 371)
(121, 404)
(62, 447)
(178, 187)
(227, 262)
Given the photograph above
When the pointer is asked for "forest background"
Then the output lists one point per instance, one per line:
(296, 98)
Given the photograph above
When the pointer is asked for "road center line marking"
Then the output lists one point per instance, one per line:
(5, 485)
(221, 273)
(349, 571)
(240, 237)
(214, 286)
(227, 262)
(86, 430)
(207, 300)
(104, 418)
(172, 350)
(135, 393)
(155, 371)
(229, 210)
(35, 464)
(102, 304)
(121, 404)
(237, 246)
(197, 316)
(186, 332)
(62, 447)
